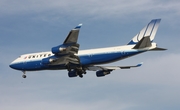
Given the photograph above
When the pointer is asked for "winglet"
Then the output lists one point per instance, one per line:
(78, 27)
(128, 67)
(140, 64)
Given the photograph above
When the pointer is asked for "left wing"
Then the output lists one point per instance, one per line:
(73, 35)
(111, 68)
(65, 53)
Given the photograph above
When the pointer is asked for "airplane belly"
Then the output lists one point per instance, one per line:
(105, 57)
(111, 57)
(33, 65)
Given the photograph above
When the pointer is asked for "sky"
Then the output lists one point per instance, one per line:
(28, 26)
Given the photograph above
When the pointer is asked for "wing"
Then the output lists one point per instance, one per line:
(73, 35)
(65, 53)
(105, 70)
(110, 68)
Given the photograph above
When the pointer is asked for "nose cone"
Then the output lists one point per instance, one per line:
(16, 66)
(13, 66)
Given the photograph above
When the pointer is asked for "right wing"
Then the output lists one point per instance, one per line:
(111, 68)
(105, 70)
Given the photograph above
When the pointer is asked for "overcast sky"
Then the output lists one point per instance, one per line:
(38, 25)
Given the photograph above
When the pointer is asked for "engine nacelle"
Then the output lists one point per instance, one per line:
(47, 61)
(72, 73)
(59, 49)
(102, 73)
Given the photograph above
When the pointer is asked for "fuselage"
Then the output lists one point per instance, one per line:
(33, 61)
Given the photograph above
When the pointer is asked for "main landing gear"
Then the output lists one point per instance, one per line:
(80, 75)
(24, 74)
(81, 72)
(76, 72)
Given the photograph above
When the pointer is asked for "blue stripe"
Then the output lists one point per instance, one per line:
(78, 27)
(146, 29)
(131, 43)
(153, 27)
(106, 58)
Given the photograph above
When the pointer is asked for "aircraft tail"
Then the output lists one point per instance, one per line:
(146, 35)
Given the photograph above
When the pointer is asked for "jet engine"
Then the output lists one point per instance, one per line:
(47, 61)
(66, 48)
(102, 73)
(59, 49)
(72, 73)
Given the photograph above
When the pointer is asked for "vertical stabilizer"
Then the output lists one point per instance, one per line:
(149, 30)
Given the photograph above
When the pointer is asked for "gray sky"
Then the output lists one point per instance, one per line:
(38, 25)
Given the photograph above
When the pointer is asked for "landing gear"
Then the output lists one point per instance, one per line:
(76, 72)
(68, 67)
(24, 74)
(80, 72)
(80, 75)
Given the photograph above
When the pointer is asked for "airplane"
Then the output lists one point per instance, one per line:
(77, 62)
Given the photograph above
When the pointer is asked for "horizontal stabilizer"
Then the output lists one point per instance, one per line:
(158, 49)
(143, 43)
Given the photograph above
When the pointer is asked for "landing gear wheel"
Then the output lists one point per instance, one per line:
(24, 76)
(81, 76)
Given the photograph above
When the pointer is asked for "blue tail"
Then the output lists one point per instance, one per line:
(149, 30)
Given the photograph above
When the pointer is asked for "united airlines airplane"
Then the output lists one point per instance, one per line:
(68, 56)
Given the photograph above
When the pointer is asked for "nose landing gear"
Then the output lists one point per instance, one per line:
(24, 74)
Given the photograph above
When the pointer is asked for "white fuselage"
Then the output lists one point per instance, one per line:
(32, 61)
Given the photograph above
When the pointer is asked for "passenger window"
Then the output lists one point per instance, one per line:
(44, 55)
(37, 56)
(49, 54)
(33, 56)
(29, 57)
(40, 55)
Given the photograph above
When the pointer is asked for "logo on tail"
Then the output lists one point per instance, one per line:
(149, 30)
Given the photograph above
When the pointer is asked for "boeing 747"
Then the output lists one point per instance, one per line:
(78, 62)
